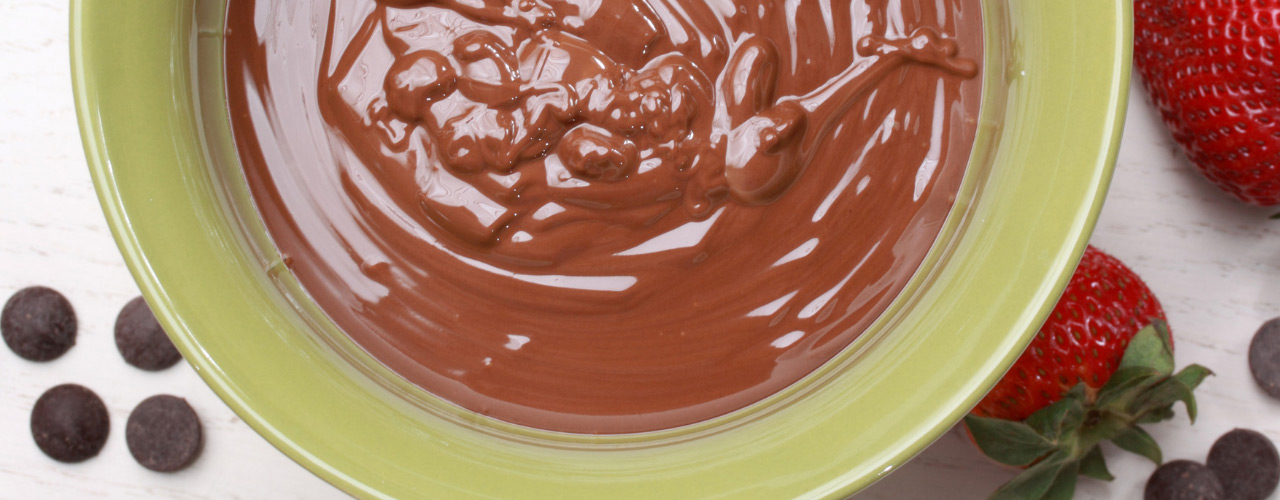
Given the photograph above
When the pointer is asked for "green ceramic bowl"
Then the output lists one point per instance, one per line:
(148, 87)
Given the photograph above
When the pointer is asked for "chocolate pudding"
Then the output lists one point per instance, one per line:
(601, 216)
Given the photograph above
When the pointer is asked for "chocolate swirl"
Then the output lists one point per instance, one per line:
(600, 216)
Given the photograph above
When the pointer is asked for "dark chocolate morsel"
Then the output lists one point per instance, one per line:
(1183, 480)
(1264, 357)
(69, 423)
(38, 324)
(141, 340)
(164, 433)
(1247, 464)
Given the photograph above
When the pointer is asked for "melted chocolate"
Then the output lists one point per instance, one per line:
(603, 217)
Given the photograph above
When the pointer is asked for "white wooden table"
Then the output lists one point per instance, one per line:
(1214, 264)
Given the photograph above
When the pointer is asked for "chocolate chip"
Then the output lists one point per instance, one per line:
(38, 324)
(70, 423)
(164, 433)
(1183, 480)
(1264, 357)
(1247, 464)
(141, 340)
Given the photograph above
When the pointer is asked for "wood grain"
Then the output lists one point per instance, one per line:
(1214, 263)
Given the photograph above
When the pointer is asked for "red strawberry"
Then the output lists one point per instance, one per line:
(1210, 66)
(1101, 364)
(1104, 305)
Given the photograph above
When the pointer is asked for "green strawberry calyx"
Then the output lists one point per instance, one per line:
(1060, 441)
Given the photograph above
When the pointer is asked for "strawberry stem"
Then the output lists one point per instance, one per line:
(1060, 441)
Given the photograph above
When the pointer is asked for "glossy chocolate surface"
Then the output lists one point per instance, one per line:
(604, 216)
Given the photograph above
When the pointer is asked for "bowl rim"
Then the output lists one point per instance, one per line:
(141, 126)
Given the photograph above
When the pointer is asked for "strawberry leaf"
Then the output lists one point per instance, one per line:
(1064, 484)
(1275, 217)
(1190, 378)
(1033, 483)
(1095, 466)
(1136, 440)
(1124, 384)
(1167, 392)
(1006, 441)
(1179, 387)
(1064, 415)
(1150, 348)
(1101, 426)
(1157, 415)
(1193, 375)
